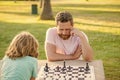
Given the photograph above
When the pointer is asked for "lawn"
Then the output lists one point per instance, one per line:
(99, 19)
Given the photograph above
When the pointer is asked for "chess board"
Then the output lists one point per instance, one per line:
(66, 73)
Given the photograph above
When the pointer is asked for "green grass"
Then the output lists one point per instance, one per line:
(99, 19)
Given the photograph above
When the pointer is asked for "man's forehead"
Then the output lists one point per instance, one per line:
(67, 22)
(64, 25)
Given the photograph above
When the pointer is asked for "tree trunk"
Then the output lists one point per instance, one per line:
(41, 2)
(46, 13)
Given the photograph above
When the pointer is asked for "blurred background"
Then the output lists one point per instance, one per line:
(99, 19)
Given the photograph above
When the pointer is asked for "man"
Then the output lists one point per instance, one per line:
(64, 42)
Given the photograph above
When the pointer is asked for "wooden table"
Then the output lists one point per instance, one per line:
(98, 66)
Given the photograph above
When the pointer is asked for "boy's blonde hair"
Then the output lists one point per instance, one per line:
(23, 44)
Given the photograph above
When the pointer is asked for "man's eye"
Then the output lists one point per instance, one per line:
(61, 29)
(67, 29)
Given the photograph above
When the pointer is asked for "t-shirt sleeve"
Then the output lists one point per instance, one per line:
(35, 66)
(50, 36)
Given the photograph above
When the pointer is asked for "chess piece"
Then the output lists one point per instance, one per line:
(46, 67)
(69, 68)
(57, 69)
(64, 66)
(87, 67)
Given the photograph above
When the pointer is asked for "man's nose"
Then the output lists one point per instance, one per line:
(64, 32)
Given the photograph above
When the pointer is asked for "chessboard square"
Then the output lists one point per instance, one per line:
(74, 75)
(50, 72)
(74, 72)
(62, 78)
(86, 72)
(75, 69)
(87, 75)
(63, 72)
(56, 73)
(74, 78)
(50, 75)
(81, 73)
(57, 77)
(48, 78)
(81, 67)
(81, 79)
(68, 77)
(81, 76)
(62, 75)
(69, 74)
(69, 71)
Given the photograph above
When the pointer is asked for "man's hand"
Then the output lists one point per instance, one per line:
(77, 53)
(77, 32)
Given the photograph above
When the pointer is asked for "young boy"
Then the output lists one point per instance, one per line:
(19, 62)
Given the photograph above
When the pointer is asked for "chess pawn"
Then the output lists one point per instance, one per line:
(46, 68)
(87, 67)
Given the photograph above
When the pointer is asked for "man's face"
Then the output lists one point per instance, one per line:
(64, 29)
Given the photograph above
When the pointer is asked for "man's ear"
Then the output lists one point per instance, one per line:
(72, 24)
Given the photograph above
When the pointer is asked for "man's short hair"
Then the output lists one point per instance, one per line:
(64, 16)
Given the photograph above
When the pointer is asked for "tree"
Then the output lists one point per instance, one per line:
(46, 13)
(14, 1)
(41, 2)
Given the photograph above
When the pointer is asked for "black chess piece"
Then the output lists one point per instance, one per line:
(64, 66)
(69, 68)
(46, 68)
(57, 69)
(87, 67)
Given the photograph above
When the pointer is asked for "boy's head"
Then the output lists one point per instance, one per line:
(23, 44)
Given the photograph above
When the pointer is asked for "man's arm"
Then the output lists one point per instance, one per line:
(32, 78)
(87, 51)
(53, 56)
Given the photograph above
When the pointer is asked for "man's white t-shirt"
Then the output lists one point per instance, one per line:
(62, 46)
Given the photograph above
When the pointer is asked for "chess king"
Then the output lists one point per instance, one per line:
(65, 42)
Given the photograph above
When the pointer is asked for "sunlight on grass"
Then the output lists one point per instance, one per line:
(92, 9)
(17, 18)
(23, 19)
(100, 26)
(85, 1)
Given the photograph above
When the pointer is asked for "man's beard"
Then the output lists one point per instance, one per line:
(64, 37)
